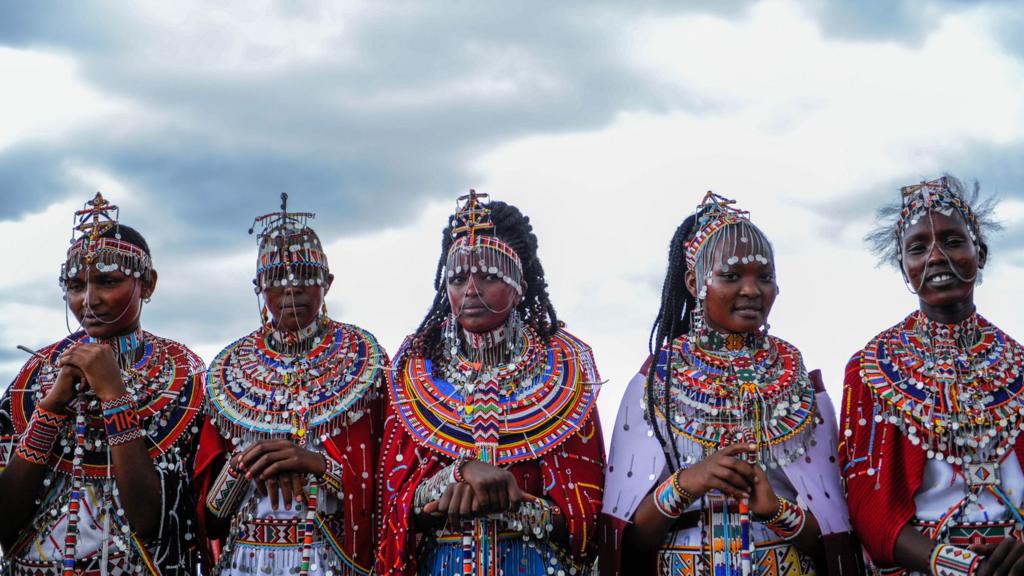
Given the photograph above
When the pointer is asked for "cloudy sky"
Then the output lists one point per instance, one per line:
(605, 122)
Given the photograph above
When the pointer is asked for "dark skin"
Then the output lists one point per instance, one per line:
(482, 302)
(279, 467)
(738, 300)
(941, 262)
(106, 304)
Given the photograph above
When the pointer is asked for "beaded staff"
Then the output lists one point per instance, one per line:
(77, 476)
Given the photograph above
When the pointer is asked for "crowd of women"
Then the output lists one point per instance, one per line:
(477, 449)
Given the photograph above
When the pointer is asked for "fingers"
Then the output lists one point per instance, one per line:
(991, 564)
(1013, 556)
(431, 507)
(252, 453)
(298, 487)
(740, 467)
(468, 503)
(285, 483)
(272, 491)
(735, 450)
(516, 495)
(286, 464)
(258, 469)
(446, 498)
(733, 480)
(458, 492)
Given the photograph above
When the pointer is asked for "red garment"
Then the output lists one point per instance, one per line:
(570, 476)
(882, 469)
(345, 448)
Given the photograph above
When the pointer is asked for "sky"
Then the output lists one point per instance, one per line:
(605, 122)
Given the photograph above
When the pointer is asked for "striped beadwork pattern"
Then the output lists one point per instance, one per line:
(37, 441)
(948, 560)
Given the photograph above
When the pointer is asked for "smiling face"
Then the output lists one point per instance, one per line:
(941, 263)
(740, 286)
(107, 304)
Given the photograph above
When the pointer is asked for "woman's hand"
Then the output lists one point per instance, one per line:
(63, 390)
(724, 471)
(494, 489)
(763, 501)
(97, 366)
(1006, 557)
(279, 467)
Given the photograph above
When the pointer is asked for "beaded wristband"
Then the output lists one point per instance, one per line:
(40, 436)
(227, 491)
(671, 499)
(948, 560)
(457, 470)
(788, 521)
(333, 476)
(433, 488)
(121, 421)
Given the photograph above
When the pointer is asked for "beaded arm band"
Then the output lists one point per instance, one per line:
(40, 436)
(671, 499)
(948, 560)
(788, 521)
(333, 476)
(227, 491)
(121, 421)
(433, 488)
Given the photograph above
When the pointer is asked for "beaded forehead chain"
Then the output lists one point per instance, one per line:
(290, 252)
(714, 213)
(476, 248)
(108, 254)
(934, 195)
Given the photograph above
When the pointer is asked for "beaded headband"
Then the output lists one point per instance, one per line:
(107, 254)
(290, 252)
(934, 195)
(714, 213)
(476, 248)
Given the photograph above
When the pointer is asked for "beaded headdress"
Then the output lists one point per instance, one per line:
(934, 195)
(89, 246)
(720, 224)
(290, 251)
(476, 248)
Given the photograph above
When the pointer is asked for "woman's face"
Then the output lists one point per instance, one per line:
(940, 260)
(295, 307)
(481, 301)
(107, 304)
(739, 295)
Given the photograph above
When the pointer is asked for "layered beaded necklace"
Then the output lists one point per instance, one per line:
(736, 387)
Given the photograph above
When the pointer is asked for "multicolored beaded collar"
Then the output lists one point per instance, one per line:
(163, 383)
(954, 390)
(737, 388)
(547, 394)
(257, 392)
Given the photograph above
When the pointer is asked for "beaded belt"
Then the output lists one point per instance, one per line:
(967, 533)
(272, 532)
(770, 559)
(117, 565)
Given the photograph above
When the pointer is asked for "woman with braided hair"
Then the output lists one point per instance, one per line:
(933, 408)
(722, 459)
(492, 455)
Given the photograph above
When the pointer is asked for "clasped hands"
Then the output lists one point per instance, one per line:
(487, 490)
(279, 469)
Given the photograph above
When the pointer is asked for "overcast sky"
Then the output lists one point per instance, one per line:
(604, 122)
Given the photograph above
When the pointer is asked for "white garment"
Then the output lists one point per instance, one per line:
(941, 489)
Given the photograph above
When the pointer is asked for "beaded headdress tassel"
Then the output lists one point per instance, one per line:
(722, 229)
(934, 195)
(477, 249)
(290, 252)
(108, 254)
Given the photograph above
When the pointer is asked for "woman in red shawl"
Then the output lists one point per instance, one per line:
(286, 464)
(932, 407)
(492, 456)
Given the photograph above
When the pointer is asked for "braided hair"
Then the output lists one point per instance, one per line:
(673, 320)
(535, 307)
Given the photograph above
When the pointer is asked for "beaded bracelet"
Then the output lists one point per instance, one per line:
(457, 470)
(788, 521)
(121, 421)
(227, 491)
(40, 436)
(948, 560)
(334, 474)
(671, 499)
(433, 488)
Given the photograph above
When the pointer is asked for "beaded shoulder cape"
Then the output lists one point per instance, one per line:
(951, 400)
(760, 394)
(547, 396)
(257, 393)
(164, 383)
